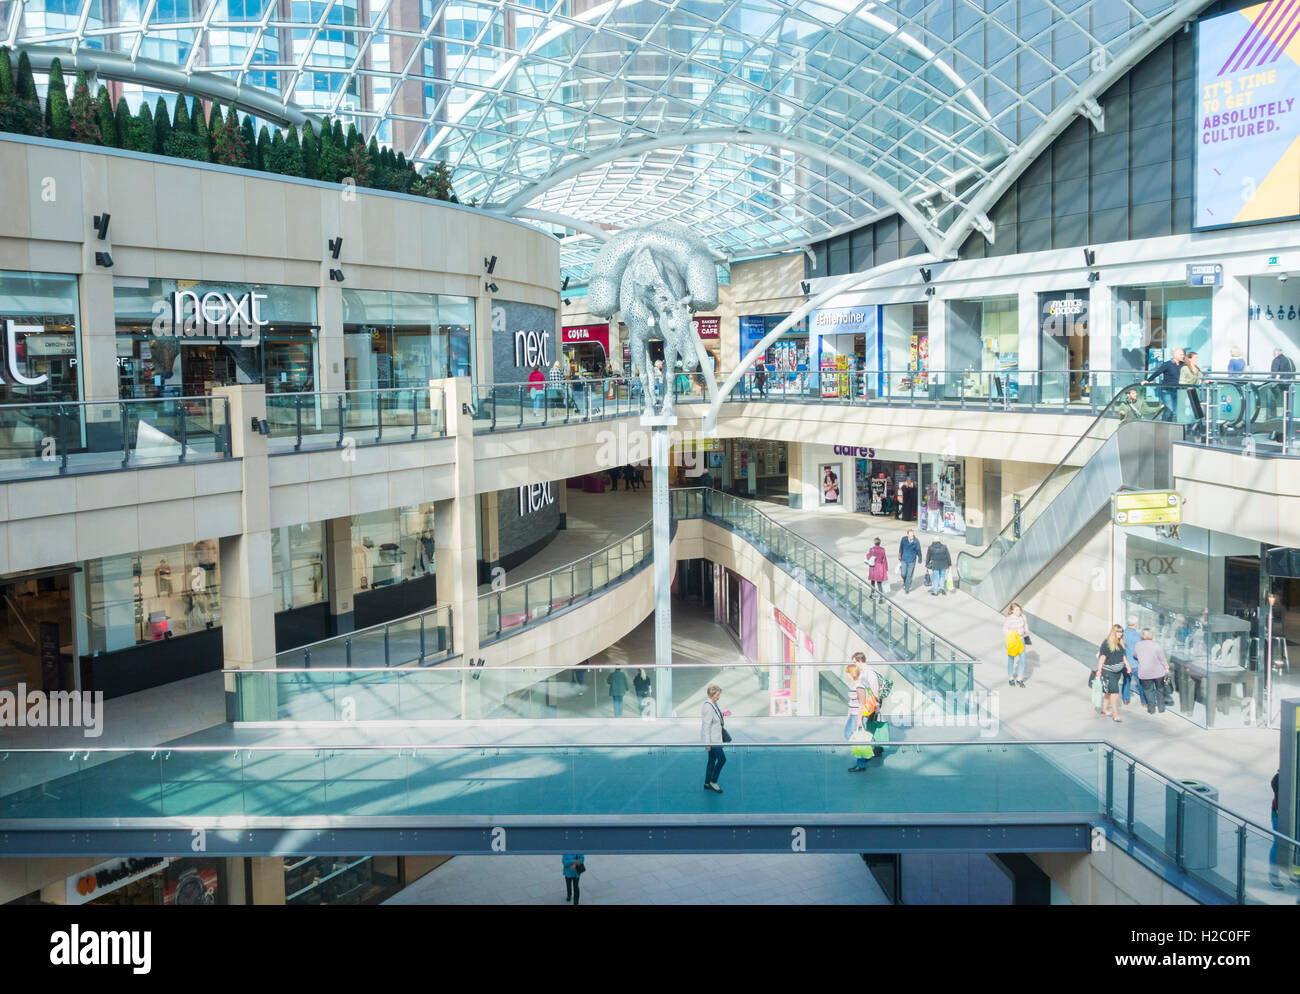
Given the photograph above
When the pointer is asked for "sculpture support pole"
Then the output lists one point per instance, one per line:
(663, 560)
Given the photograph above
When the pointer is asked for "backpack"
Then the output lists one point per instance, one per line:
(1015, 644)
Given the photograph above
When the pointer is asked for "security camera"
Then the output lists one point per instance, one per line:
(1281, 277)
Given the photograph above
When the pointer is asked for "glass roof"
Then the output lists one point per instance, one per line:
(762, 124)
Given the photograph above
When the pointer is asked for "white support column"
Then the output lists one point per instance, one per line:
(1030, 322)
(330, 344)
(455, 547)
(1229, 323)
(1101, 334)
(663, 562)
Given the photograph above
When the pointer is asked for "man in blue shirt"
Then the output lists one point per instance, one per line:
(1131, 638)
(1168, 373)
(909, 551)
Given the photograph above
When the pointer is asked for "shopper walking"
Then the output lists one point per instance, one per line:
(617, 689)
(937, 560)
(1152, 670)
(857, 697)
(537, 388)
(1168, 374)
(877, 569)
(1282, 369)
(641, 684)
(1236, 364)
(1111, 662)
(574, 867)
(713, 734)
(909, 551)
(1131, 638)
(1015, 630)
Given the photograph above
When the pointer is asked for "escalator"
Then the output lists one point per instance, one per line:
(1126, 447)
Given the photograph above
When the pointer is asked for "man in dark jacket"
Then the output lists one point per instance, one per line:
(1167, 375)
(937, 561)
(1283, 369)
(909, 551)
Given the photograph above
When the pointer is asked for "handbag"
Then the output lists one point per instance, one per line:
(1015, 644)
(926, 579)
(1168, 690)
(581, 867)
(1028, 640)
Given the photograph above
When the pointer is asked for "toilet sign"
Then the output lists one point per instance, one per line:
(1146, 507)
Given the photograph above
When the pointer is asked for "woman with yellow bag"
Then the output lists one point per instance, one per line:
(1016, 631)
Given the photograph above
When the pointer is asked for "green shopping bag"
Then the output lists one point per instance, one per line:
(861, 747)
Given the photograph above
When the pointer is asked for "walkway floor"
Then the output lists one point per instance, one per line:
(723, 879)
(1055, 705)
(592, 522)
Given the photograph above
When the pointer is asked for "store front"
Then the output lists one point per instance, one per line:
(791, 684)
(983, 344)
(736, 609)
(524, 337)
(393, 568)
(341, 880)
(1204, 595)
(709, 330)
(1153, 320)
(37, 630)
(146, 881)
(786, 358)
(393, 340)
(584, 348)
(149, 618)
(904, 351)
(750, 467)
(299, 583)
(1063, 346)
(39, 338)
(943, 495)
(842, 335)
(183, 338)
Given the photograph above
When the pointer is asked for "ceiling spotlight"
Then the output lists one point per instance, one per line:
(925, 274)
(567, 301)
(100, 222)
(564, 284)
(104, 259)
(491, 287)
(336, 246)
(490, 264)
(1089, 257)
(336, 275)
(805, 286)
(929, 291)
(1094, 276)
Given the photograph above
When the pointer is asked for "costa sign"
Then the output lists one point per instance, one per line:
(576, 334)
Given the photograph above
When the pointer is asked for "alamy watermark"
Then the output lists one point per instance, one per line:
(931, 709)
(23, 708)
(625, 446)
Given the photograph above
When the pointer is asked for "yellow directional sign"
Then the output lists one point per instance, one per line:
(1146, 507)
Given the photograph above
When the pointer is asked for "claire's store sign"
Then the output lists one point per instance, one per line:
(533, 497)
(215, 315)
(856, 451)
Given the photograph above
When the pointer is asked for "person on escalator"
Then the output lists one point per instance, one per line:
(937, 560)
(1168, 374)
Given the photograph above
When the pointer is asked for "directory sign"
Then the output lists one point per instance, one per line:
(1248, 116)
(1150, 507)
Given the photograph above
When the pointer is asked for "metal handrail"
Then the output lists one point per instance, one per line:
(569, 565)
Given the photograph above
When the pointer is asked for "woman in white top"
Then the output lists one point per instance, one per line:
(711, 735)
(1015, 622)
(864, 685)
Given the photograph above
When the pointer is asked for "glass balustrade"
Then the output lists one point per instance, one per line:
(418, 638)
(40, 440)
(368, 417)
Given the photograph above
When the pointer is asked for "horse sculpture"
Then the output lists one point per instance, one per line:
(656, 276)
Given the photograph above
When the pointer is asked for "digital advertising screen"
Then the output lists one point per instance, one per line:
(1248, 115)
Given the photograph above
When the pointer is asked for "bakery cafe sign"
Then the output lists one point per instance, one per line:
(215, 316)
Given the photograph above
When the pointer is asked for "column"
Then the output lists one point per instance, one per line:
(98, 341)
(794, 473)
(455, 548)
(267, 875)
(1030, 322)
(247, 598)
(1101, 337)
(562, 498)
(1229, 309)
(482, 342)
(487, 506)
(937, 330)
(330, 345)
(338, 572)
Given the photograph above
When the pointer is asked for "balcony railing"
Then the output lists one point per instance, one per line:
(70, 437)
(421, 638)
(328, 419)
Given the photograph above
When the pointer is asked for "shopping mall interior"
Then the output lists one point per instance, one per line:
(412, 416)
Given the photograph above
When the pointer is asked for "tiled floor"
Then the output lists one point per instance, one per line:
(650, 879)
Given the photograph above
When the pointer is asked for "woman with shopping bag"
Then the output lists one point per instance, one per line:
(870, 728)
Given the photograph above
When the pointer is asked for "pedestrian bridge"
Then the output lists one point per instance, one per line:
(602, 788)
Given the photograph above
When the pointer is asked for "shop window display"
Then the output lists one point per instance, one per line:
(316, 880)
(392, 546)
(153, 361)
(153, 596)
(1151, 321)
(394, 340)
(298, 563)
(40, 309)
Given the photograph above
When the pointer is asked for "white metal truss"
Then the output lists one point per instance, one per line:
(765, 125)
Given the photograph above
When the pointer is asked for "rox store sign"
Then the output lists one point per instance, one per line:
(215, 315)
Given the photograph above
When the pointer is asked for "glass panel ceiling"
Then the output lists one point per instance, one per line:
(850, 108)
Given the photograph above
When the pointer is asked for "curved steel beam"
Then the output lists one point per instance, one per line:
(1056, 122)
(737, 136)
(852, 281)
(550, 217)
(209, 86)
